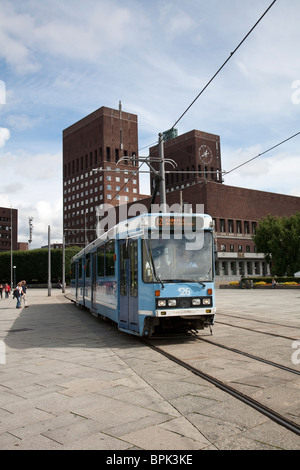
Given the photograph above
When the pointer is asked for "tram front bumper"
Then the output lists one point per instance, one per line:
(185, 312)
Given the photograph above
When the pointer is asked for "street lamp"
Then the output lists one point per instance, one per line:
(15, 275)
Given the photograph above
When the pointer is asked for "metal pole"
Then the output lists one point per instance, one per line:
(11, 249)
(49, 263)
(162, 189)
(64, 265)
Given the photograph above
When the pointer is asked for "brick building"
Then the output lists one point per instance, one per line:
(102, 138)
(197, 156)
(197, 179)
(98, 141)
(8, 229)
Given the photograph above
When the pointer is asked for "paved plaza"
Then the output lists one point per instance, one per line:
(71, 381)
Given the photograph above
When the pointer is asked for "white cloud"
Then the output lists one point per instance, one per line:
(4, 136)
(63, 60)
(278, 170)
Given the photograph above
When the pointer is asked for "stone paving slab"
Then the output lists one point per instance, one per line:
(71, 381)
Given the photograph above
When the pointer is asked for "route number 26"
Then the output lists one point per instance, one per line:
(184, 291)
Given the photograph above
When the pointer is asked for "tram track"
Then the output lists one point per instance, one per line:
(268, 333)
(272, 414)
(251, 356)
(257, 331)
(236, 317)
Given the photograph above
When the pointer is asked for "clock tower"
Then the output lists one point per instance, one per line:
(197, 156)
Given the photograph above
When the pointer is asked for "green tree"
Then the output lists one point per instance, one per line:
(32, 265)
(279, 239)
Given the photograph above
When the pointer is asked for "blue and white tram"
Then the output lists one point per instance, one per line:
(151, 273)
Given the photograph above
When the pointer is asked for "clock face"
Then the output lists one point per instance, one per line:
(205, 154)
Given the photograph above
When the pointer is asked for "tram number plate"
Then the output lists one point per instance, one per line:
(184, 291)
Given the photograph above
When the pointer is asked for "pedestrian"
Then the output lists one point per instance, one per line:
(1, 290)
(18, 292)
(7, 290)
(274, 283)
(24, 296)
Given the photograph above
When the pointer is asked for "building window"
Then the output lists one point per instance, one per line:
(249, 267)
(233, 268)
(238, 226)
(246, 227)
(230, 226)
(223, 248)
(224, 268)
(222, 225)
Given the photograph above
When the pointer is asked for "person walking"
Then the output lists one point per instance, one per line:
(1, 290)
(6, 290)
(24, 296)
(18, 294)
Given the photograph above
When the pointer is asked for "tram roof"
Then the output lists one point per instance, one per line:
(135, 227)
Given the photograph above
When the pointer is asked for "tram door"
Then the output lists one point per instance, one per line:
(94, 282)
(128, 284)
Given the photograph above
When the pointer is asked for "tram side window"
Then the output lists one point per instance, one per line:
(123, 272)
(133, 270)
(88, 266)
(110, 258)
(73, 270)
(100, 261)
(106, 260)
(80, 269)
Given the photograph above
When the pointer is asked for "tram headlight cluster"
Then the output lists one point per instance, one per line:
(166, 302)
(184, 302)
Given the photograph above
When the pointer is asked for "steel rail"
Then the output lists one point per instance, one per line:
(271, 414)
(251, 356)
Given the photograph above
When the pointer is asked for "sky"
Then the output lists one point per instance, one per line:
(61, 60)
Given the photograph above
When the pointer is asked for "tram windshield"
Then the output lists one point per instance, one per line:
(178, 259)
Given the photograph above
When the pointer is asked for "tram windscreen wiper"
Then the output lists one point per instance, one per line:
(184, 280)
(151, 262)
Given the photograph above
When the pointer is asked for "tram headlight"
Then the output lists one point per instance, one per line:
(172, 303)
(161, 303)
(196, 302)
(206, 301)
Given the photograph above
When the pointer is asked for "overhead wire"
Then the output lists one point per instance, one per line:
(262, 153)
(206, 86)
(223, 65)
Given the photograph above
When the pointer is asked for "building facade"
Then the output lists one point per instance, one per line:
(98, 168)
(8, 229)
(197, 179)
(197, 156)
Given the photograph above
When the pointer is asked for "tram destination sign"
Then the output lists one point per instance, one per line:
(179, 223)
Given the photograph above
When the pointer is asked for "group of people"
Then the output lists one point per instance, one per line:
(19, 293)
(5, 289)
